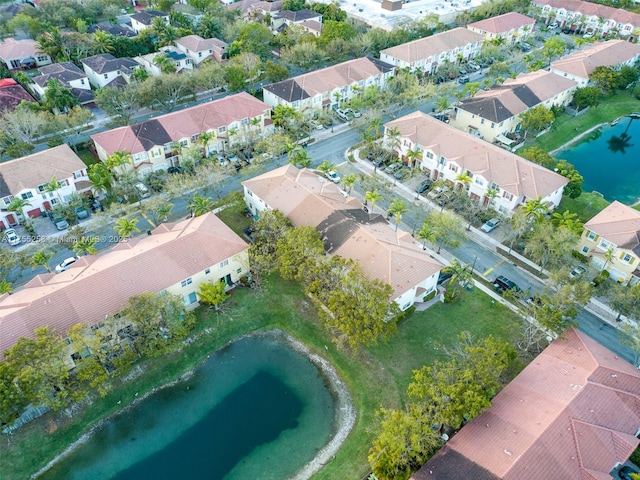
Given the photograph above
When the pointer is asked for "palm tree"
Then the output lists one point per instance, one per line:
(118, 159)
(443, 103)
(375, 125)
(460, 275)
(103, 42)
(164, 63)
(199, 205)
(464, 179)
(349, 181)
(373, 197)
(204, 139)
(299, 157)
(18, 205)
(491, 194)
(397, 208)
(325, 167)
(100, 178)
(41, 259)
(85, 246)
(139, 75)
(412, 156)
(567, 219)
(536, 209)
(5, 287)
(52, 186)
(393, 138)
(427, 234)
(125, 227)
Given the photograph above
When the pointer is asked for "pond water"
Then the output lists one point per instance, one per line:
(255, 409)
(609, 160)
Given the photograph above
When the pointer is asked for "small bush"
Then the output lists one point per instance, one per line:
(430, 296)
(577, 255)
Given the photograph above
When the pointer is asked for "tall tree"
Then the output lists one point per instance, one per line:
(373, 197)
(397, 208)
(536, 119)
(213, 293)
(125, 227)
(199, 205)
(41, 258)
(447, 229)
(549, 246)
(58, 98)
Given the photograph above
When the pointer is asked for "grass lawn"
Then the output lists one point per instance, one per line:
(376, 377)
(86, 156)
(586, 206)
(566, 128)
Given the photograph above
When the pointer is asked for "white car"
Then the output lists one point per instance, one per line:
(65, 264)
(11, 236)
(333, 176)
(490, 225)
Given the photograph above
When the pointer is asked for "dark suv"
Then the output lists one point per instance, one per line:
(501, 284)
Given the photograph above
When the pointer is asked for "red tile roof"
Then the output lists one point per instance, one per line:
(606, 54)
(307, 199)
(619, 224)
(503, 23)
(592, 9)
(11, 94)
(102, 284)
(183, 124)
(507, 170)
(571, 414)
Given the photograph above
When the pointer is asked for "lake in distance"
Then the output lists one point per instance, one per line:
(609, 160)
(255, 409)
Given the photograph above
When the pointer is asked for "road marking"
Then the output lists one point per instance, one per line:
(489, 270)
(148, 220)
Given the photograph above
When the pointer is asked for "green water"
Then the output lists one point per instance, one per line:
(254, 410)
(609, 161)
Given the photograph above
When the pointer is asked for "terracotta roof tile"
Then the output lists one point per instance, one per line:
(307, 199)
(607, 54)
(17, 49)
(572, 413)
(196, 43)
(12, 95)
(184, 123)
(503, 23)
(38, 168)
(593, 9)
(99, 285)
(433, 45)
(511, 172)
(618, 224)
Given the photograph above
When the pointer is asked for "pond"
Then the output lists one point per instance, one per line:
(254, 409)
(609, 160)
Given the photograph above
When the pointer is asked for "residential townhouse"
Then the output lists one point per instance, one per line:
(578, 66)
(12, 94)
(494, 113)
(574, 412)
(105, 70)
(510, 27)
(143, 20)
(175, 258)
(199, 49)
(155, 144)
(347, 229)
(259, 10)
(588, 17)
(69, 76)
(447, 153)
(21, 54)
(180, 60)
(611, 240)
(328, 87)
(427, 54)
(26, 177)
(286, 18)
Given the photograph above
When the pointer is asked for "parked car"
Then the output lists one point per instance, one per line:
(473, 66)
(436, 192)
(82, 213)
(356, 113)
(625, 472)
(502, 284)
(577, 272)
(379, 162)
(402, 173)
(58, 221)
(142, 190)
(393, 168)
(316, 125)
(588, 35)
(333, 176)
(490, 225)
(423, 186)
(342, 115)
(463, 79)
(174, 170)
(12, 236)
(65, 264)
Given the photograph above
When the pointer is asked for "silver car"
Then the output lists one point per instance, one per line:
(490, 225)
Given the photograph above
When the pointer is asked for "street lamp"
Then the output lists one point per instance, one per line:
(474, 264)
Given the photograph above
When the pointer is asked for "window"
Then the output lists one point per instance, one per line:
(224, 264)
(585, 249)
(82, 81)
(222, 129)
(626, 258)
(106, 75)
(604, 243)
(186, 282)
(245, 121)
(199, 54)
(429, 155)
(41, 188)
(207, 271)
(189, 299)
(250, 193)
(442, 161)
(27, 196)
(493, 125)
(592, 236)
(482, 121)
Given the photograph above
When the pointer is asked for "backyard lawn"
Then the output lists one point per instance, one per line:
(566, 128)
(376, 377)
(586, 206)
